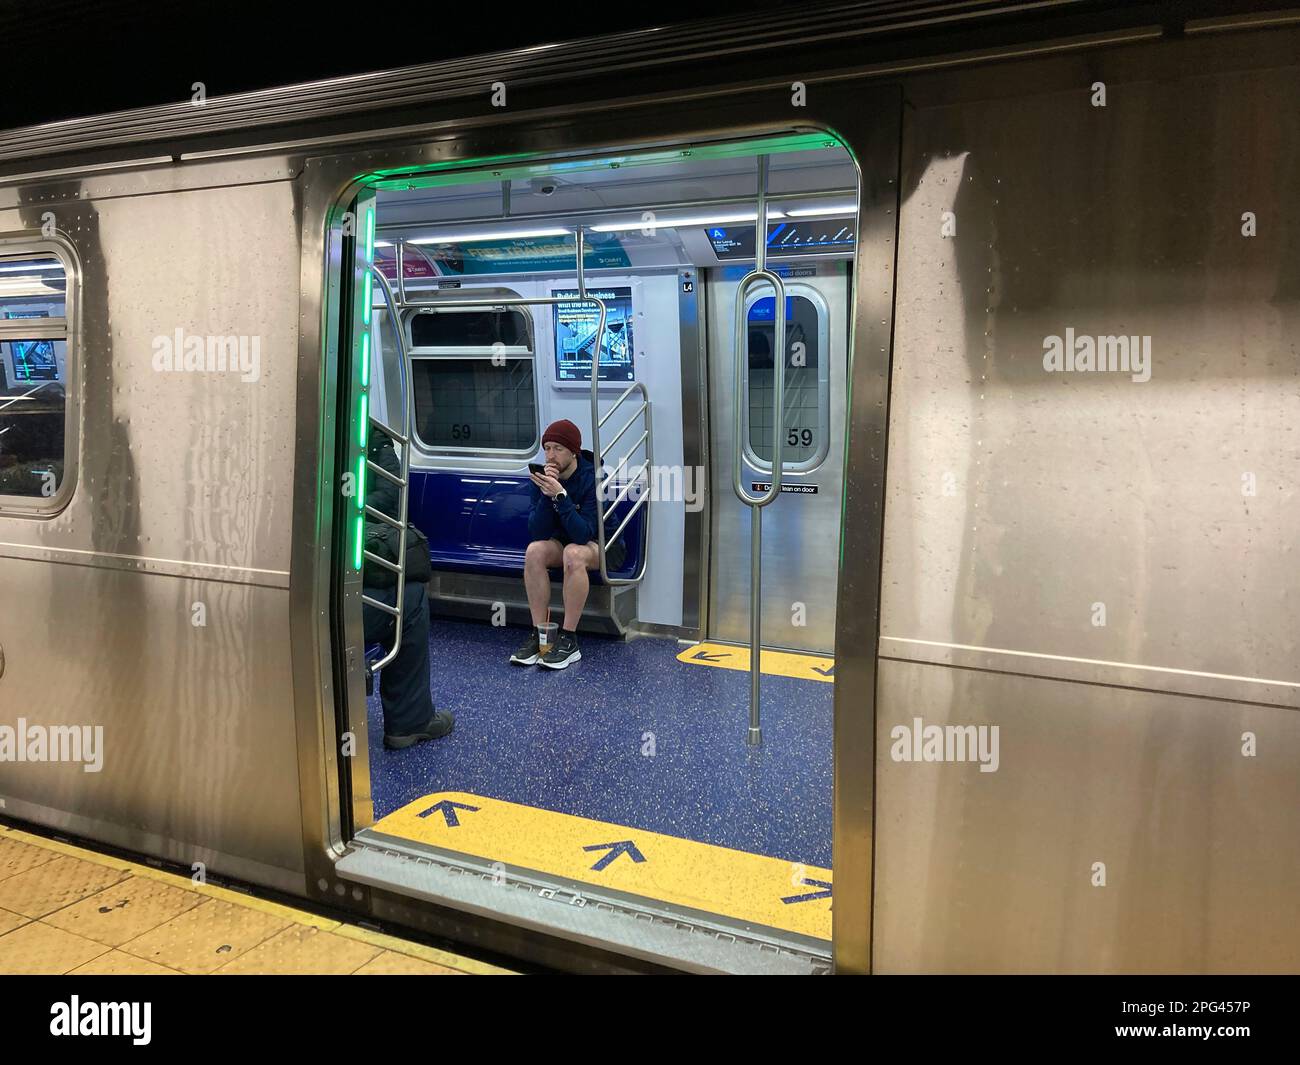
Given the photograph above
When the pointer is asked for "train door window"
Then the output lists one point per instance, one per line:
(473, 380)
(35, 444)
(807, 401)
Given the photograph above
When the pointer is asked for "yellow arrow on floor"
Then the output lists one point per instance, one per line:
(773, 663)
(753, 888)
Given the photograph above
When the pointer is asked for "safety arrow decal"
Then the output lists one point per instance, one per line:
(615, 849)
(773, 663)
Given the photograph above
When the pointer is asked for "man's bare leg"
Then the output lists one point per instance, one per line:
(540, 556)
(578, 558)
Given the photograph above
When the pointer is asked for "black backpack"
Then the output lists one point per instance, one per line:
(381, 540)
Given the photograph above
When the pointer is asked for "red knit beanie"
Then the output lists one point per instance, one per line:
(564, 433)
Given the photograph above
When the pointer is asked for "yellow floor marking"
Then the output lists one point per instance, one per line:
(773, 663)
(69, 849)
(736, 884)
(265, 907)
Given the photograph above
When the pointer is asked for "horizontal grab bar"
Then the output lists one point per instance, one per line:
(372, 512)
(628, 487)
(370, 465)
(622, 463)
(619, 531)
(390, 566)
(381, 606)
(617, 436)
(635, 386)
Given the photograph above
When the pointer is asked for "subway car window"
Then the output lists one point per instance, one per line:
(33, 376)
(805, 381)
(478, 391)
(462, 329)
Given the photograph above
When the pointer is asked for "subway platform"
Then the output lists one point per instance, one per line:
(68, 910)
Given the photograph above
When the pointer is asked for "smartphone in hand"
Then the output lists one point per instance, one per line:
(537, 468)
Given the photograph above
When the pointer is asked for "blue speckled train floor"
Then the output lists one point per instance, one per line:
(572, 740)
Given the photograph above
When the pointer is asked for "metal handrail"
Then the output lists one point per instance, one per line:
(622, 463)
(610, 446)
(403, 483)
(597, 421)
(385, 518)
(628, 487)
(756, 503)
(637, 506)
(633, 387)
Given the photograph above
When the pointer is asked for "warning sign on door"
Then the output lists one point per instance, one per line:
(791, 489)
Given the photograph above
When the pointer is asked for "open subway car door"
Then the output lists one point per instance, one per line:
(624, 811)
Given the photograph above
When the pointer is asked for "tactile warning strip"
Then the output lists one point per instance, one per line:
(65, 909)
(128, 909)
(17, 857)
(54, 885)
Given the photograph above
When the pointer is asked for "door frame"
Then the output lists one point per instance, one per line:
(866, 118)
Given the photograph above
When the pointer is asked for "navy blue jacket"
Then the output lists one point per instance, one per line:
(573, 519)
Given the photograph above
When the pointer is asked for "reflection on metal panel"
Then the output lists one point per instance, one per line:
(1118, 542)
(158, 609)
(190, 465)
(996, 871)
(197, 745)
(1085, 513)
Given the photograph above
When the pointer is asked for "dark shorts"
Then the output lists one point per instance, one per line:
(615, 556)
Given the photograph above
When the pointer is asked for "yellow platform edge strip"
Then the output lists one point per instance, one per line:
(756, 889)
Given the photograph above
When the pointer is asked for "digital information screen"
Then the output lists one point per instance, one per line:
(575, 334)
(804, 237)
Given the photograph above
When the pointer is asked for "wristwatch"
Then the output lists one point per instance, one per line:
(561, 494)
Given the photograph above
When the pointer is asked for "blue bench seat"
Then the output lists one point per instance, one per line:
(478, 523)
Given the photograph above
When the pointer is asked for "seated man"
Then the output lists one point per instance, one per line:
(562, 530)
(409, 714)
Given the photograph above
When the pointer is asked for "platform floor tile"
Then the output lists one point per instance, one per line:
(65, 908)
(38, 949)
(54, 885)
(119, 963)
(205, 938)
(390, 963)
(124, 911)
(301, 950)
(17, 857)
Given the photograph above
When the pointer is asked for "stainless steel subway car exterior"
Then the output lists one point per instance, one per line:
(1096, 558)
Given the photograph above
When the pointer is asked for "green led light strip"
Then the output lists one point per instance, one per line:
(364, 289)
(514, 167)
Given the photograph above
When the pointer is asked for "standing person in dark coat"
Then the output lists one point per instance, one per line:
(409, 713)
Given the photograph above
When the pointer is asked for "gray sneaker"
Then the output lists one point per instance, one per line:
(529, 652)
